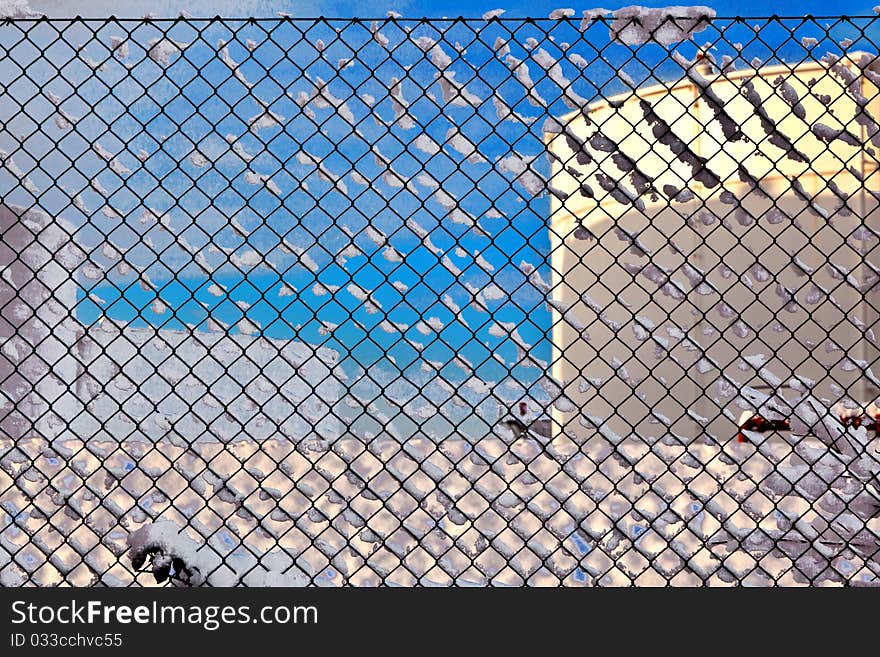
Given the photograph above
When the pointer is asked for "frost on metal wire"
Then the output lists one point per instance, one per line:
(434, 302)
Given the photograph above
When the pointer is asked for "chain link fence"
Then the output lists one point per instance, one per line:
(587, 300)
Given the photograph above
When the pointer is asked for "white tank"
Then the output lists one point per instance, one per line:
(760, 242)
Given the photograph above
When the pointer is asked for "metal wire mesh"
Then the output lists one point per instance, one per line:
(493, 301)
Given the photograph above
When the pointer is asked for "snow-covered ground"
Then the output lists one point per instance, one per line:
(501, 510)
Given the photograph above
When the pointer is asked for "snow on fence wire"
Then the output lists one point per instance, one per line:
(588, 300)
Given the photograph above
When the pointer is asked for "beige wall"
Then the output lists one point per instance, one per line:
(737, 307)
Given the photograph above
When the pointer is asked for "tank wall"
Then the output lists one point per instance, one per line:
(661, 312)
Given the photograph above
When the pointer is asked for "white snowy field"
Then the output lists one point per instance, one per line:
(368, 512)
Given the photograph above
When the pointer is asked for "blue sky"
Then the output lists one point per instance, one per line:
(198, 202)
